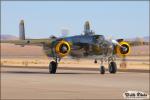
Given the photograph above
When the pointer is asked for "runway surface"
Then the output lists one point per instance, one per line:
(31, 83)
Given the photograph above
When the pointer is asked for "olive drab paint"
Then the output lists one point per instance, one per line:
(21, 30)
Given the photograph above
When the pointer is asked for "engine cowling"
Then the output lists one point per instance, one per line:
(62, 48)
(123, 49)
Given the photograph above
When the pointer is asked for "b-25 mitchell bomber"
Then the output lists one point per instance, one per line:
(88, 44)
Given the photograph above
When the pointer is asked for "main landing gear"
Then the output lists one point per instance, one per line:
(112, 68)
(53, 67)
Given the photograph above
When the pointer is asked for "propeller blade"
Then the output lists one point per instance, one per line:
(117, 43)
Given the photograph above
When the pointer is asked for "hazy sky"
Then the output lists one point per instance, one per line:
(117, 19)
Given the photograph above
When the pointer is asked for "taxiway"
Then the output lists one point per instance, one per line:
(34, 83)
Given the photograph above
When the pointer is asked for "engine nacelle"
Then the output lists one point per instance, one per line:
(62, 48)
(123, 49)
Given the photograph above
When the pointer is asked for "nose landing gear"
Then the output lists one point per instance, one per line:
(102, 69)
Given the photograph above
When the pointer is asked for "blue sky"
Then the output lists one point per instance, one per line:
(117, 19)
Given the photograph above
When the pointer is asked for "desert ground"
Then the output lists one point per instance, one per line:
(14, 55)
(32, 83)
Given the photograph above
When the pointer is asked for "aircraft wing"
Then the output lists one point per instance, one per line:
(28, 41)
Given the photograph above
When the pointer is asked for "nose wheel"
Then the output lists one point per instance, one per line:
(52, 67)
(102, 69)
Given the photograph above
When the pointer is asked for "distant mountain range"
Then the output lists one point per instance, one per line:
(145, 38)
(8, 37)
(12, 37)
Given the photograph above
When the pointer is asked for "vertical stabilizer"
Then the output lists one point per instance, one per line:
(86, 27)
(87, 30)
(21, 30)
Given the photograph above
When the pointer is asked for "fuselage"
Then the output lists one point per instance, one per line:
(89, 45)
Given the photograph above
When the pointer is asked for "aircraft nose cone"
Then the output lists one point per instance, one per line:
(124, 49)
(63, 49)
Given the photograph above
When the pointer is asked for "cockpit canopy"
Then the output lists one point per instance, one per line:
(98, 38)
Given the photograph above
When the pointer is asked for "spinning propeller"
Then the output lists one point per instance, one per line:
(122, 49)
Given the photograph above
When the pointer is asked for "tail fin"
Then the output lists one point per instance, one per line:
(87, 30)
(21, 30)
(87, 27)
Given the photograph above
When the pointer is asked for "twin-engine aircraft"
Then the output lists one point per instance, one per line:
(87, 44)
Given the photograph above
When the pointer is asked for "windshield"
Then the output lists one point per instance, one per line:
(98, 38)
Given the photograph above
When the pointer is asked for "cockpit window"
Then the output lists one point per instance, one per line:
(98, 38)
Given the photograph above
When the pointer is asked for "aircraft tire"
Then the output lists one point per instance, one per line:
(95, 61)
(112, 67)
(102, 70)
(52, 67)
